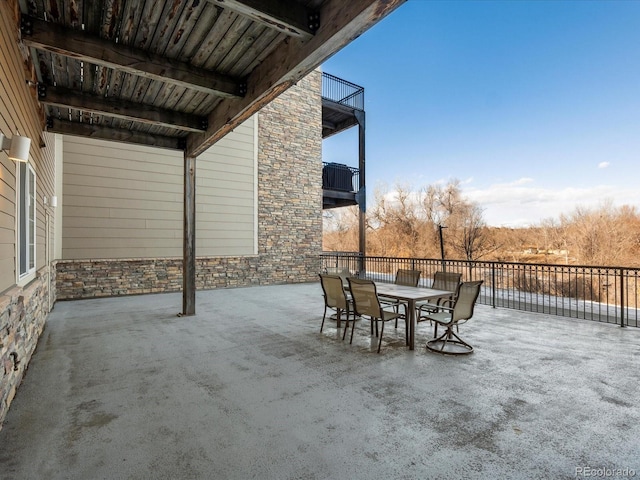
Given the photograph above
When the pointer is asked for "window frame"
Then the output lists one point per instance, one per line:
(26, 188)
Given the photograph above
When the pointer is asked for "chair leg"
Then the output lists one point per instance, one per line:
(448, 337)
(323, 317)
(381, 332)
(395, 308)
(353, 326)
(346, 325)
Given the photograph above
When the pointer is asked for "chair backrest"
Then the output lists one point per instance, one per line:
(342, 272)
(333, 289)
(407, 277)
(365, 297)
(467, 296)
(446, 281)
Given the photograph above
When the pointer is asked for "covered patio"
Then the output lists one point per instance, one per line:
(249, 388)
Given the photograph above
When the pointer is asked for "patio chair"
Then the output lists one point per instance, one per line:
(367, 303)
(342, 272)
(406, 277)
(441, 281)
(460, 311)
(335, 298)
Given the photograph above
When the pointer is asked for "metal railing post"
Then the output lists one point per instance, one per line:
(493, 285)
(622, 298)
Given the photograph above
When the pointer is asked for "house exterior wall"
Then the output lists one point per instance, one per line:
(284, 213)
(125, 201)
(24, 303)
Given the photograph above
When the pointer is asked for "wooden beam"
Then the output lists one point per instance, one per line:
(111, 134)
(118, 108)
(342, 22)
(287, 16)
(77, 44)
(189, 238)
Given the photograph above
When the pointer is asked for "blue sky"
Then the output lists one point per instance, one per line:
(533, 105)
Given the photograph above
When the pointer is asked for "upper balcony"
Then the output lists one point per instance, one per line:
(342, 108)
(341, 100)
(339, 185)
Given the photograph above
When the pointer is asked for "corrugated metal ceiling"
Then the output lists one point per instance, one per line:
(178, 73)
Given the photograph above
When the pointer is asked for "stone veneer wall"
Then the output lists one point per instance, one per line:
(107, 278)
(290, 183)
(289, 216)
(23, 312)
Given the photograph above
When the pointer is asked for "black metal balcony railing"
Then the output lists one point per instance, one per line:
(342, 92)
(340, 177)
(603, 294)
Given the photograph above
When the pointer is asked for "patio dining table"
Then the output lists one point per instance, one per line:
(411, 295)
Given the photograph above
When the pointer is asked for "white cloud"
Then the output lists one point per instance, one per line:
(522, 181)
(524, 202)
(514, 204)
(603, 164)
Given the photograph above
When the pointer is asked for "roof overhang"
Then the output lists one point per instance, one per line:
(179, 74)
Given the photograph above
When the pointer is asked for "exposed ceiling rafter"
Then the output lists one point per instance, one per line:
(122, 109)
(65, 127)
(92, 49)
(287, 16)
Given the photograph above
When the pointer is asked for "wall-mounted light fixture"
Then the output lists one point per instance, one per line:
(18, 147)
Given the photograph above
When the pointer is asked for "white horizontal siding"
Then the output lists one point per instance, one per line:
(126, 201)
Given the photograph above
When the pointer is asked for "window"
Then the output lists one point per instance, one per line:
(26, 220)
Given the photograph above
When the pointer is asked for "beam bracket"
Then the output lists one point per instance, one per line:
(26, 25)
(314, 21)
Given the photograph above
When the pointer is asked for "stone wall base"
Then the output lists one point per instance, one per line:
(77, 279)
(23, 312)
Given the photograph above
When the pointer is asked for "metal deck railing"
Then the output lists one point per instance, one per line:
(603, 294)
(342, 92)
(350, 177)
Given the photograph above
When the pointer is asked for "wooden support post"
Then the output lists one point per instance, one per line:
(189, 238)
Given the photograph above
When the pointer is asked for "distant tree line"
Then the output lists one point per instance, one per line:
(405, 223)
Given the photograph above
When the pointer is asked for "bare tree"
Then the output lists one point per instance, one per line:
(605, 235)
(404, 223)
(397, 222)
(475, 241)
(340, 229)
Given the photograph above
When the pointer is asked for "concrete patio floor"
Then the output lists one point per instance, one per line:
(122, 388)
